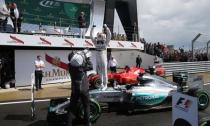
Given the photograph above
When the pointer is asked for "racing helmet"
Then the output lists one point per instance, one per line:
(87, 53)
(77, 59)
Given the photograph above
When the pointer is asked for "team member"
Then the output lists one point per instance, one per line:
(138, 61)
(101, 42)
(39, 65)
(79, 64)
(113, 65)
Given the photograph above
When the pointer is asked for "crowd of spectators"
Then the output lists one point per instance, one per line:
(173, 55)
(119, 37)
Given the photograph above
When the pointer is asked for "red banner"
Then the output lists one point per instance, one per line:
(69, 42)
(88, 43)
(120, 44)
(16, 39)
(45, 41)
(56, 62)
(133, 45)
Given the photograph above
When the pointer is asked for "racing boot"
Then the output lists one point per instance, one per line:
(104, 88)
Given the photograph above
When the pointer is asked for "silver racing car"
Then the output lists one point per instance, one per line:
(152, 91)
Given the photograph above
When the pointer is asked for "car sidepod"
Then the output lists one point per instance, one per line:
(148, 96)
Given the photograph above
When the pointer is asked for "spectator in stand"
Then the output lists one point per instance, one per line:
(82, 24)
(6, 19)
(138, 61)
(113, 65)
(156, 60)
(16, 17)
(4, 13)
(135, 35)
(114, 37)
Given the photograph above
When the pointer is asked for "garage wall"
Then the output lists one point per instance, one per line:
(129, 58)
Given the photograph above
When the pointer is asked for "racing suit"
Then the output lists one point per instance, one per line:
(79, 63)
(101, 42)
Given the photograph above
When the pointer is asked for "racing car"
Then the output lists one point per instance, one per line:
(157, 69)
(151, 92)
(127, 76)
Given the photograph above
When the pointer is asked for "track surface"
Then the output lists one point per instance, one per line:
(19, 115)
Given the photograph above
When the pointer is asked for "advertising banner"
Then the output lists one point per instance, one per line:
(63, 41)
(184, 110)
(56, 64)
(47, 12)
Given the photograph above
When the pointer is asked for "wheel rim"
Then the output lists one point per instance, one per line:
(94, 112)
(203, 99)
(98, 83)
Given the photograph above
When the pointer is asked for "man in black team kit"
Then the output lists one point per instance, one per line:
(138, 61)
(79, 64)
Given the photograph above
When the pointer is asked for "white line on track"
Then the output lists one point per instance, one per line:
(21, 102)
(207, 84)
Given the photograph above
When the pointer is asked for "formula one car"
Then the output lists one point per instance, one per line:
(157, 69)
(127, 76)
(151, 92)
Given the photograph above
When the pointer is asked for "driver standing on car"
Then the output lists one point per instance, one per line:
(79, 64)
(101, 41)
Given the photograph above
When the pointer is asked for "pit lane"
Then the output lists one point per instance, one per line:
(18, 114)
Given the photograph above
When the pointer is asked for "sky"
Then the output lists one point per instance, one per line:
(174, 22)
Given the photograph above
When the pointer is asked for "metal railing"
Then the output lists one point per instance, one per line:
(190, 67)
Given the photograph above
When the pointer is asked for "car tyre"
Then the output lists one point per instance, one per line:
(97, 83)
(204, 121)
(203, 99)
(95, 111)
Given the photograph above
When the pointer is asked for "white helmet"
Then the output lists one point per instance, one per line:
(79, 57)
(87, 53)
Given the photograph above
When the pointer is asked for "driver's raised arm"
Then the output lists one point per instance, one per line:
(91, 34)
(108, 34)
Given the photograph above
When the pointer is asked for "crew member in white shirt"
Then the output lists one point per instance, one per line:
(39, 66)
(113, 65)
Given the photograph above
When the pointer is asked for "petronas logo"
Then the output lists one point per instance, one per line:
(50, 3)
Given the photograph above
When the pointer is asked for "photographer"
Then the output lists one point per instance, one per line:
(79, 64)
